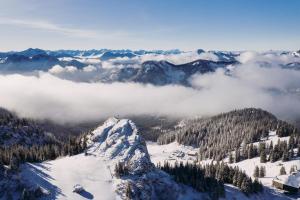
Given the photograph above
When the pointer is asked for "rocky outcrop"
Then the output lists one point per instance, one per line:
(118, 140)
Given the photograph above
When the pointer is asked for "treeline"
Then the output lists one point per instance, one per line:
(211, 178)
(282, 150)
(17, 154)
(218, 135)
(15, 130)
(22, 140)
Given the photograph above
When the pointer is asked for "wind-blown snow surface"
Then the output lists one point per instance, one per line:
(59, 176)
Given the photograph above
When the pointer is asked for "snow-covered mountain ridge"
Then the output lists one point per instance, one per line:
(116, 141)
(147, 67)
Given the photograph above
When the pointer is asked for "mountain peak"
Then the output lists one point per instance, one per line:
(119, 140)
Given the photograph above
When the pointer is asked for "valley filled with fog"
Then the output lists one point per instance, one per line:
(193, 124)
(79, 86)
(149, 100)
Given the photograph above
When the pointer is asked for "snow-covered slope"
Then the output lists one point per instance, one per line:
(116, 141)
(59, 176)
(175, 152)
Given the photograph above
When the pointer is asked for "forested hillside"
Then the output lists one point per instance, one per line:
(220, 134)
(15, 130)
(24, 140)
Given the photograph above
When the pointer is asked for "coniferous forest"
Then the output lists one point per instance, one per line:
(231, 134)
(211, 178)
(22, 140)
(219, 135)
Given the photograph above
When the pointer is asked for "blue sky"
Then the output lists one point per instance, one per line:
(150, 24)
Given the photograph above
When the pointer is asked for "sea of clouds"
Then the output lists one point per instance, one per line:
(49, 95)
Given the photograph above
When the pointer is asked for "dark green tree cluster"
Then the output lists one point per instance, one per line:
(218, 135)
(211, 178)
(196, 176)
(14, 155)
(15, 130)
(259, 172)
(121, 169)
(281, 151)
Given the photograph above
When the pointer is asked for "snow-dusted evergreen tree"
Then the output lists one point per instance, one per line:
(263, 156)
(262, 171)
(282, 171)
(230, 159)
(211, 178)
(292, 169)
(246, 186)
(237, 155)
(256, 172)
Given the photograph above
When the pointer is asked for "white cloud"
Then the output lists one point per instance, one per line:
(177, 59)
(273, 89)
(249, 85)
(56, 69)
(89, 68)
(71, 69)
(181, 58)
(275, 58)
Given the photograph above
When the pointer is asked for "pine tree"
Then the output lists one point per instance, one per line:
(246, 186)
(235, 177)
(262, 172)
(285, 155)
(292, 169)
(256, 172)
(263, 156)
(271, 145)
(240, 179)
(257, 186)
(128, 192)
(282, 171)
(237, 155)
(230, 158)
(291, 142)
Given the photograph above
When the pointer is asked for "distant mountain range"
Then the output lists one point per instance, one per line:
(127, 65)
(104, 53)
